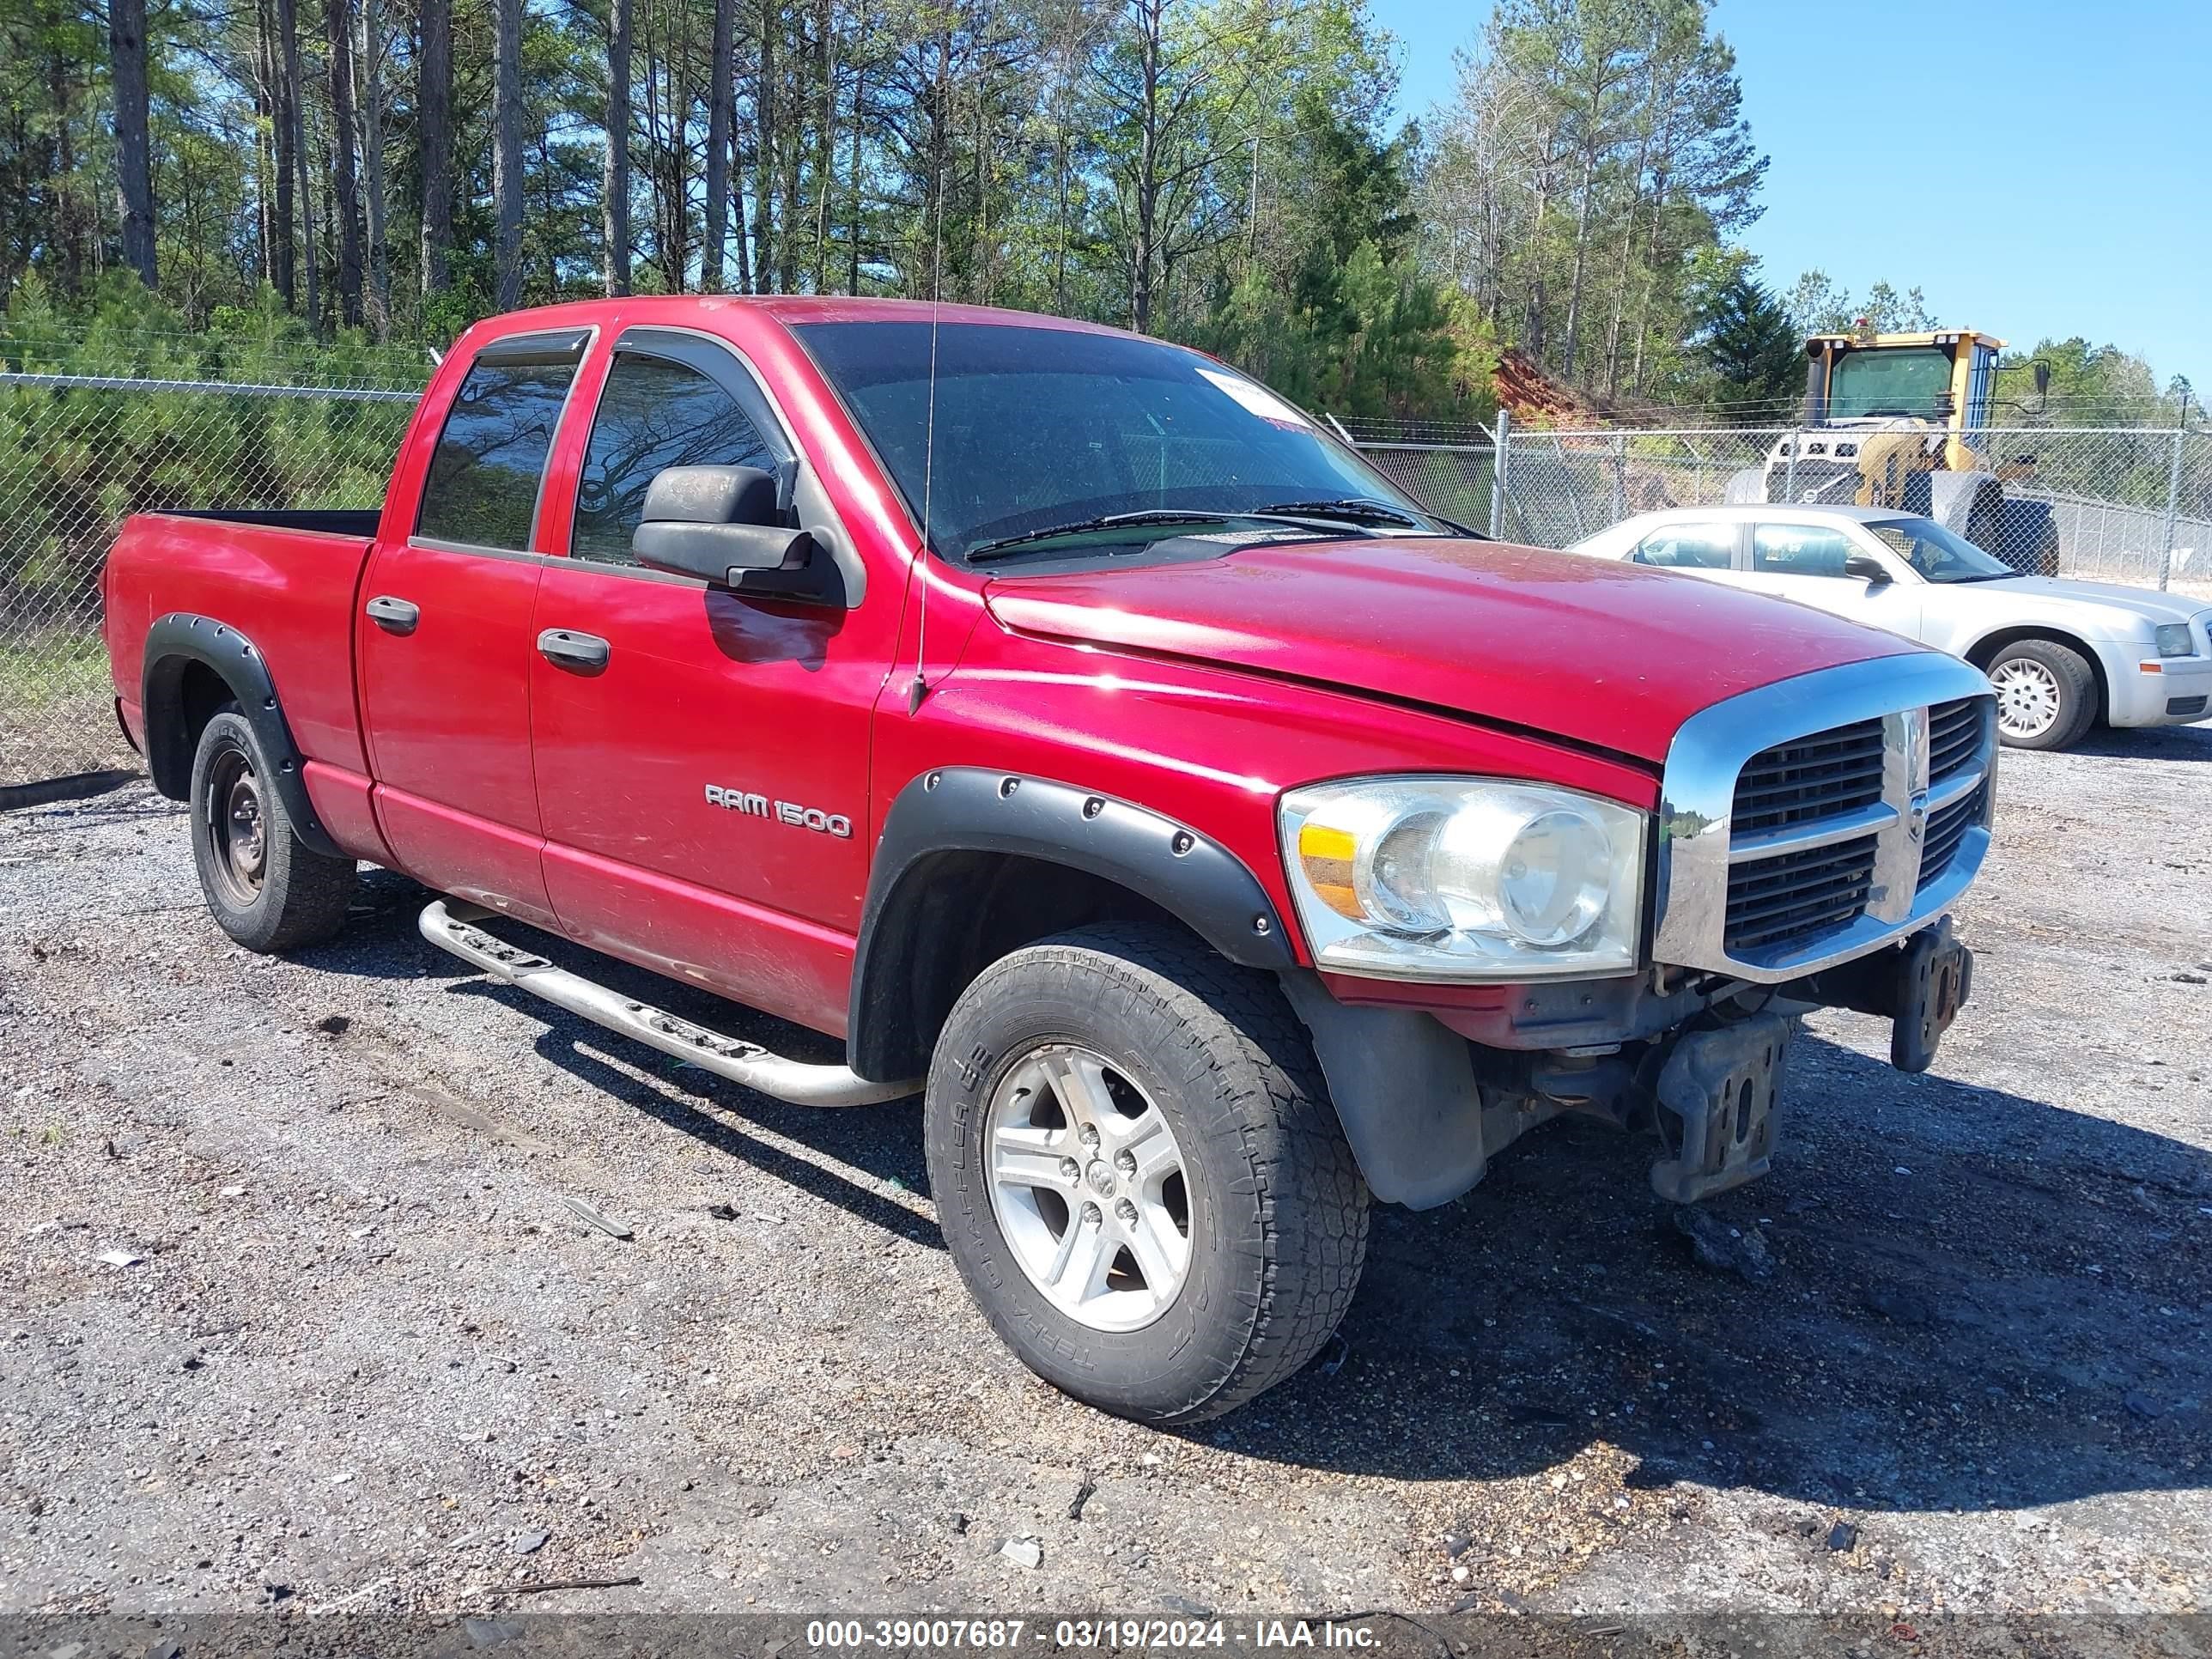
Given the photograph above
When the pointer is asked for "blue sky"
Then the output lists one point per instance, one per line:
(2073, 198)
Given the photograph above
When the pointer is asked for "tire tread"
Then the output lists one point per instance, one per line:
(1298, 1201)
(305, 894)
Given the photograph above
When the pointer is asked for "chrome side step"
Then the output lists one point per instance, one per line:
(451, 925)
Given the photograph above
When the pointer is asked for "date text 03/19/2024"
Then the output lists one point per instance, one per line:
(897, 1635)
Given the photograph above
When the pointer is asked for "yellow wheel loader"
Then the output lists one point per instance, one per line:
(1897, 421)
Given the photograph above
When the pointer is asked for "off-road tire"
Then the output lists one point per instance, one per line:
(301, 895)
(2077, 692)
(1279, 1229)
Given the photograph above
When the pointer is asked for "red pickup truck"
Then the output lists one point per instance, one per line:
(1212, 836)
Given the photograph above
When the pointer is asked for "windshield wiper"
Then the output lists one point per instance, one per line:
(1007, 546)
(1367, 509)
(1360, 509)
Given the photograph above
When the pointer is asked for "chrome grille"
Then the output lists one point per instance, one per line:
(1946, 828)
(1955, 737)
(1796, 819)
(1819, 776)
(1805, 834)
(1797, 894)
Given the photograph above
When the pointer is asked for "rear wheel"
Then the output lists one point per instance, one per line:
(265, 887)
(1140, 1174)
(2047, 695)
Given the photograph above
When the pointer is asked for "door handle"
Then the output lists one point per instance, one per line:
(569, 649)
(393, 615)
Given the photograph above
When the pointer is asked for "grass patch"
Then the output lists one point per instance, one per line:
(42, 669)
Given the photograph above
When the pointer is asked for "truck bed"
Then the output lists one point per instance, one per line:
(287, 581)
(357, 522)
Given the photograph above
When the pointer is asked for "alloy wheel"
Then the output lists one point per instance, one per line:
(1088, 1186)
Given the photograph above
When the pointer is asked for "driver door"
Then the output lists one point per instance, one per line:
(667, 752)
(1809, 562)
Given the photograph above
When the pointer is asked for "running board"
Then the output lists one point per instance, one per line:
(451, 926)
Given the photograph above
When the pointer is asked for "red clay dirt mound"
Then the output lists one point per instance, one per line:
(1535, 397)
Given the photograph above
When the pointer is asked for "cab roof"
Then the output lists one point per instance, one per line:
(1940, 336)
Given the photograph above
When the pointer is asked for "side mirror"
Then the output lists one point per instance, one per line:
(1867, 568)
(719, 524)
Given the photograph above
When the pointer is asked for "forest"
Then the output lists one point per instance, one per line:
(350, 180)
(1227, 173)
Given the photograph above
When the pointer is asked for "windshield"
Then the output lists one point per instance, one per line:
(1038, 428)
(1936, 554)
(1893, 381)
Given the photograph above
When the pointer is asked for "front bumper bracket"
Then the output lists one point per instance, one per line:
(1721, 1087)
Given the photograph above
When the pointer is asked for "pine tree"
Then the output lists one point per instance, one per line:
(1747, 339)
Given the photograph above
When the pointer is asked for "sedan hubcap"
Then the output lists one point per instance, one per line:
(1088, 1186)
(2028, 697)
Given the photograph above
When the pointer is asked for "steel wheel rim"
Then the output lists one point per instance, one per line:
(1089, 1188)
(2028, 697)
(237, 827)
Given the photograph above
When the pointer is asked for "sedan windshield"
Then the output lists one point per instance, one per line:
(1037, 429)
(1936, 554)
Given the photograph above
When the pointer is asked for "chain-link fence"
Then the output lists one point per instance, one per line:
(78, 453)
(2130, 505)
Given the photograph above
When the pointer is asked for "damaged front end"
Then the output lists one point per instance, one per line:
(1701, 1066)
(1812, 837)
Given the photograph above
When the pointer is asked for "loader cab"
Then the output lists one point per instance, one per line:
(1941, 379)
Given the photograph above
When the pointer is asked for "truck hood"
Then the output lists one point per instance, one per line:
(1612, 656)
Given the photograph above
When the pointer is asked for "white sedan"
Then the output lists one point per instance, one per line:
(2063, 655)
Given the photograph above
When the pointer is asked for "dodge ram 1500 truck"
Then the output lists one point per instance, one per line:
(1212, 836)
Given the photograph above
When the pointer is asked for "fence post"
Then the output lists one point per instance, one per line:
(1790, 477)
(2173, 506)
(1619, 478)
(1502, 437)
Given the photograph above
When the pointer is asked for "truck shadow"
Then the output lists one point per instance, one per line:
(2174, 742)
(880, 1144)
(1978, 1300)
(2002, 1304)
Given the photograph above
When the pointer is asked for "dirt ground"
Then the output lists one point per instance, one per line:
(364, 1357)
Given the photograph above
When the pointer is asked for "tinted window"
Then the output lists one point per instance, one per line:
(1689, 547)
(1029, 428)
(653, 414)
(1799, 550)
(482, 486)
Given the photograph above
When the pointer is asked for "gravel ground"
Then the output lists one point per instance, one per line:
(363, 1356)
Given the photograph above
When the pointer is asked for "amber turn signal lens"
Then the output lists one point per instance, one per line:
(1327, 854)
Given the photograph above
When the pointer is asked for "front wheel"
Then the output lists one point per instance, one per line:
(2047, 695)
(1139, 1172)
(266, 888)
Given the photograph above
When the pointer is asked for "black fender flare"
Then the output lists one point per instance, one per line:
(978, 810)
(173, 643)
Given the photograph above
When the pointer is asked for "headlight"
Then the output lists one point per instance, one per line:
(1464, 878)
(2173, 640)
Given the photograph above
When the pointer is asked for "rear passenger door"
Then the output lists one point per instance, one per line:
(664, 768)
(1708, 549)
(444, 637)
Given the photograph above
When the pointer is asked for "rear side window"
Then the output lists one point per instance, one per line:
(1688, 547)
(482, 486)
(653, 414)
